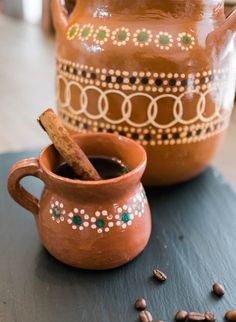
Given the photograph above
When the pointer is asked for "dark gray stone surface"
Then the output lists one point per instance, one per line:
(193, 241)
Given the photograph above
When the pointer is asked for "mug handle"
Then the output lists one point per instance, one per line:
(21, 169)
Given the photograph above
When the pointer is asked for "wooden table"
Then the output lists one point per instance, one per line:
(193, 241)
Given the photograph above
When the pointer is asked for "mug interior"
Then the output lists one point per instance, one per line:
(128, 151)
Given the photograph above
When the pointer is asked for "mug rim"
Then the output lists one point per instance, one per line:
(91, 183)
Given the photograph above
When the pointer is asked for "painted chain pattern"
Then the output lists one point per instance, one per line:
(149, 136)
(126, 105)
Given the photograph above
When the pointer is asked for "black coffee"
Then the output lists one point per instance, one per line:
(108, 168)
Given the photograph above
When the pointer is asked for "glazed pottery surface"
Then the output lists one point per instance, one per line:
(160, 72)
(89, 224)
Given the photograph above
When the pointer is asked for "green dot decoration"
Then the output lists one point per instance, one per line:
(73, 32)
(100, 223)
(56, 212)
(186, 40)
(125, 217)
(77, 220)
(164, 40)
(101, 34)
(85, 32)
(122, 36)
(142, 36)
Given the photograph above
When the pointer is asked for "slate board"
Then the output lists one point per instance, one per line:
(193, 241)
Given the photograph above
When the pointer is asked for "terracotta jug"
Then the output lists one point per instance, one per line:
(160, 72)
(88, 224)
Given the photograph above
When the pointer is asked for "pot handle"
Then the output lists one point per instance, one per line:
(60, 15)
(231, 20)
(21, 169)
(70, 5)
(225, 32)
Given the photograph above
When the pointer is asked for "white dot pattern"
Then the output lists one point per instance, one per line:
(100, 221)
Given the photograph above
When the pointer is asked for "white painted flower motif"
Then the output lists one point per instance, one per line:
(143, 196)
(164, 40)
(185, 41)
(101, 221)
(139, 203)
(142, 37)
(72, 31)
(57, 212)
(101, 35)
(86, 31)
(78, 219)
(124, 216)
(120, 36)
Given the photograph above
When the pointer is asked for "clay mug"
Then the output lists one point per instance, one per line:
(88, 224)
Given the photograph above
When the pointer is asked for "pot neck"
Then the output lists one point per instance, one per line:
(151, 8)
(94, 192)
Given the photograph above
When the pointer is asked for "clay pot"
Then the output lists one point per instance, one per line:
(88, 224)
(160, 72)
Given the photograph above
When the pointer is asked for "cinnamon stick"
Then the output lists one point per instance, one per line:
(67, 147)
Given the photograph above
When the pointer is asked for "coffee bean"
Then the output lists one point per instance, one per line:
(181, 315)
(218, 289)
(231, 315)
(195, 316)
(145, 316)
(209, 316)
(160, 276)
(140, 304)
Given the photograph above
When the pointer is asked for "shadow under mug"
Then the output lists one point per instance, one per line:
(88, 224)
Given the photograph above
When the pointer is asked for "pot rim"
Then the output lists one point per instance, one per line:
(86, 183)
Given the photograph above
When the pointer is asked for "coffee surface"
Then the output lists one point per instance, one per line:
(108, 168)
